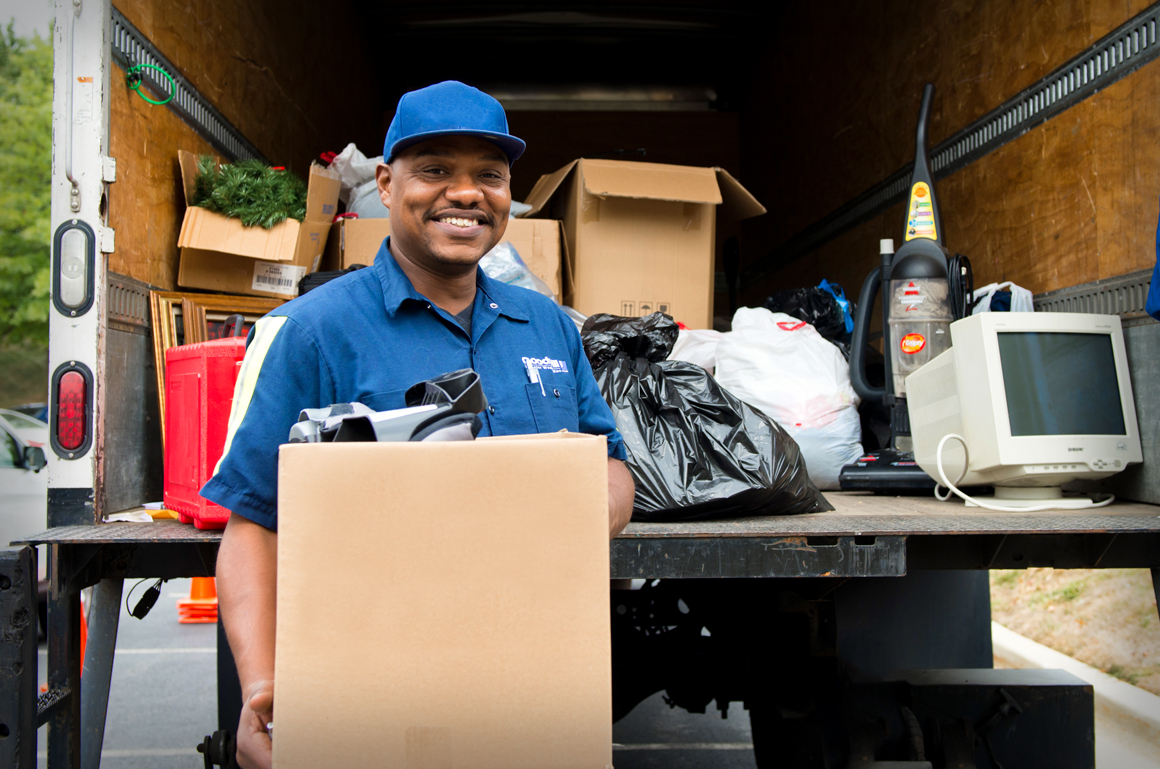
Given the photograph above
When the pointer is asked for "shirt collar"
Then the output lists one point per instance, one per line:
(397, 288)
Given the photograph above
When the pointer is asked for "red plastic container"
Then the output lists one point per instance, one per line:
(199, 391)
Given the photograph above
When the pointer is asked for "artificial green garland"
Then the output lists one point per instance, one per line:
(250, 191)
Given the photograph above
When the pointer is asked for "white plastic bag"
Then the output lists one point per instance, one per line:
(353, 169)
(697, 345)
(785, 368)
(1020, 297)
(359, 191)
(503, 263)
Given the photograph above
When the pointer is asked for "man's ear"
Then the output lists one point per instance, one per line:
(383, 176)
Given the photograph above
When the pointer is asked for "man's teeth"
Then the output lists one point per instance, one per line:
(459, 222)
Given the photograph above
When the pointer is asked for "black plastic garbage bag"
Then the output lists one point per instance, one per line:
(815, 306)
(694, 450)
(605, 336)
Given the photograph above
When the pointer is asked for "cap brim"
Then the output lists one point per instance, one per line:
(511, 146)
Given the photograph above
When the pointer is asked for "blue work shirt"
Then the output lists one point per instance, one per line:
(367, 337)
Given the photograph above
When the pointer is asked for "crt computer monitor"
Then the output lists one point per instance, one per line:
(1041, 399)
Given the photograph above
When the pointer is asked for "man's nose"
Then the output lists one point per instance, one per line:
(464, 189)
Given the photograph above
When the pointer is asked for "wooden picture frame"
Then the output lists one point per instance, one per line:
(186, 318)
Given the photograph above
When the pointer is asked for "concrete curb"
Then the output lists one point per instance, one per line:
(1130, 707)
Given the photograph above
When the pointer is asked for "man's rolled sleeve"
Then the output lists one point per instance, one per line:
(595, 415)
(283, 373)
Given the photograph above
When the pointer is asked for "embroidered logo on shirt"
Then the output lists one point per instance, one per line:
(535, 365)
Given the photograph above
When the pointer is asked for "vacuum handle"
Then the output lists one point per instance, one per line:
(861, 336)
(924, 117)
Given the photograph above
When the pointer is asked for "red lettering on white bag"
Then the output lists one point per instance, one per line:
(785, 325)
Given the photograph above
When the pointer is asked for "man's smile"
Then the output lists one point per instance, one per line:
(462, 222)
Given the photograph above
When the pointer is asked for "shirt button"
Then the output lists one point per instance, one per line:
(556, 393)
(494, 306)
(491, 409)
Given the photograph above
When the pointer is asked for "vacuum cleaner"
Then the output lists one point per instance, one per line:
(445, 408)
(924, 289)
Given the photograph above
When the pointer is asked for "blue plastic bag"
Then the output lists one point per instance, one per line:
(1152, 305)
(836, 291)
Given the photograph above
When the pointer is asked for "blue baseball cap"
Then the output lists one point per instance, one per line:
(447, 109)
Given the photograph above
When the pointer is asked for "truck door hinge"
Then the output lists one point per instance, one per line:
(108, 240)
(108, 170)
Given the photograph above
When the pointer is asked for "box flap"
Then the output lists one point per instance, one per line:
(737, 202)
(568, 276)
(207, 231)
(188, 163)
(322, 194)
(545, 188)
(651, 181)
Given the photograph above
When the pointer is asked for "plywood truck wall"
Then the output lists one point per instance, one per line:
(1071, 201)
(281, 72)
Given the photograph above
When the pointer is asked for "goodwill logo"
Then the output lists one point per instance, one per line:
(535, 365)
(546, 364)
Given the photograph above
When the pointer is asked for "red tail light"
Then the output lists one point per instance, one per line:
(70, 415)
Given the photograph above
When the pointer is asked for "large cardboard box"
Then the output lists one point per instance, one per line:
(219, 254)
(641, 236)
(444, 605)
(539, 242)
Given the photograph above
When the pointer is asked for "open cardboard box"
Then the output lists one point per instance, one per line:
(444, 604)
(219, 254)
(641, 236)
(539, 242)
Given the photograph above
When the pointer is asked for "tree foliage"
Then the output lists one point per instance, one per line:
(25, 185)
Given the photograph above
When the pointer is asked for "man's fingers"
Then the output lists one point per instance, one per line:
(261, 699)
(262, 702)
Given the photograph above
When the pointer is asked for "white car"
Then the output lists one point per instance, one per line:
(23, 488)
(29, 429)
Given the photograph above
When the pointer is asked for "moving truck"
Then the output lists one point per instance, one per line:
(1044, 148)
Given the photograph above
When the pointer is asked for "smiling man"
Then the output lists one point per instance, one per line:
(424, 309)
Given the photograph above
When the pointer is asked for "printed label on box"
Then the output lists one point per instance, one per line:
(629, 308)
(280, 278)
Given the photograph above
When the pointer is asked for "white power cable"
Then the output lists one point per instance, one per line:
(952, 488)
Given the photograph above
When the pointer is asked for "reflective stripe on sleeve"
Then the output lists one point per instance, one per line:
(265, 330)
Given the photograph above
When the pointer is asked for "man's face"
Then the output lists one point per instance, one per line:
(449, 199)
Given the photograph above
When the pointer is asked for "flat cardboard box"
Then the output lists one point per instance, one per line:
(539, 242)
(219, 254)
(641, 236)
(444, 605)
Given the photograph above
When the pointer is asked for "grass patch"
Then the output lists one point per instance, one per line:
(1068, 592)
(1004, 578)
(23, 374)
(1130, 676)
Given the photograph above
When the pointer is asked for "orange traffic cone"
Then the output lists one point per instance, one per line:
(202, 604)
(84, 636)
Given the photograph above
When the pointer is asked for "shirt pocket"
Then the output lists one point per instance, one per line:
(385, 401)
(553, 408)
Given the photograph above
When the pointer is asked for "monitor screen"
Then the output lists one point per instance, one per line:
(1060, 384)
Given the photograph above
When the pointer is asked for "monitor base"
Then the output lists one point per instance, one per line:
(1034, 496)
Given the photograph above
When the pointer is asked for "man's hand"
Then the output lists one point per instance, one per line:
(255, 751)
(621, 491)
